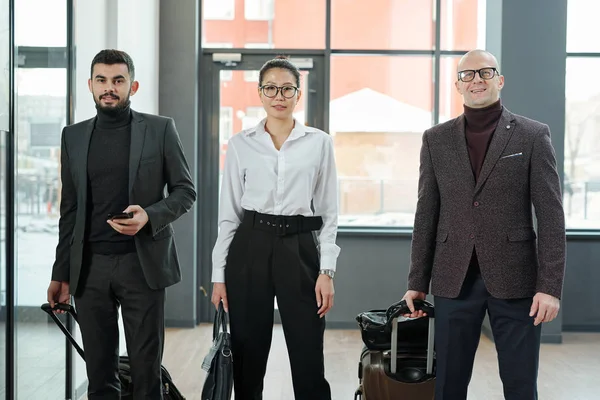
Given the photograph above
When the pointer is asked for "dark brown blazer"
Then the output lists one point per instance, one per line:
(494, 215)
(156, 162)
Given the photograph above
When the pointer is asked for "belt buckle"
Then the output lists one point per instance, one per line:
(280, 226)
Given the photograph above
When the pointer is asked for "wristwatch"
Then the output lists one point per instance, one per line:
(329, 272)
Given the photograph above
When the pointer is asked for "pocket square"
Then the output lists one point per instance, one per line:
(512, 155)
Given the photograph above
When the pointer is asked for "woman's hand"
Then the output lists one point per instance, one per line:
(219, 293)
(324, 291)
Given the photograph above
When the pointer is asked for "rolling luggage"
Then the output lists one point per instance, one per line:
(398, 359)
(170, 392)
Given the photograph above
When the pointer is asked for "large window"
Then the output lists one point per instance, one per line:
(287, 24)
(373, 119)
(41, 112)
(387, 86)
(582, 118)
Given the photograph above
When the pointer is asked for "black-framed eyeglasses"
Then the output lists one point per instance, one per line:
(272, 91)
(484, 73)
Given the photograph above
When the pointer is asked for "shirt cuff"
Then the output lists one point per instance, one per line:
(218, 275)
(329, 254)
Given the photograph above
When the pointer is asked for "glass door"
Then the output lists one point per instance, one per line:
(231, 104)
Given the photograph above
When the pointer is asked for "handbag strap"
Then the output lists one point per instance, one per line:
(220, 322)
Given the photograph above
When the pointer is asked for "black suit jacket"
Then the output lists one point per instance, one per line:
(494, 215)
(156, 161)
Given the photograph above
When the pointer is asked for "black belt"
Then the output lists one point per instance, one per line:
(282, 225)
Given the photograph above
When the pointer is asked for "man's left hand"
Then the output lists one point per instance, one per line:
(130, 226)
(545, 306)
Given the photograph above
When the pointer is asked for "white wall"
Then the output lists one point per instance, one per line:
(128, 25)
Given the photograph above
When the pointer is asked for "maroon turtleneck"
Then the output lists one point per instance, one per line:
(480, 124)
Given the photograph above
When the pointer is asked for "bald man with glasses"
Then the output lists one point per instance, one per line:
(474, 245)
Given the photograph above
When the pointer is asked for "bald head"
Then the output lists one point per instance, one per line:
(478, 55)
(478, 80)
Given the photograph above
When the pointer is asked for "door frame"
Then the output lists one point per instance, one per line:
(212, 63)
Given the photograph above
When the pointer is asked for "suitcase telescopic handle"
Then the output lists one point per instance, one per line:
(397, 310)
(69, 309)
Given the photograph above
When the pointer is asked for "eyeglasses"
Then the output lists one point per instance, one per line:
(272, 91)
(484, 73)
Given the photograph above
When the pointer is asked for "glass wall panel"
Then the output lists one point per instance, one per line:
(265, 24)
(382, 24)
(40, 116)
(582, 147)
(583, 29)
(462, 24)
(451, 103)
(377, 121)
(4, 119)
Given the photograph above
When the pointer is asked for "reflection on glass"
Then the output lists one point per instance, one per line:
(266, 24)
(382, 24)
(41, 115)
(582, 147)
(41, 23)
(583, 29)
(377, 121)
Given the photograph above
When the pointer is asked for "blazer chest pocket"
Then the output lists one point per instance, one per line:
(148, 160)
(521, 235)
(441, 237)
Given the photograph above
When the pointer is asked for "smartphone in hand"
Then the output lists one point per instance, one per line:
(120, 216)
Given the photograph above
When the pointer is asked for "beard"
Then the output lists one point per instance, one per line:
(114, 110)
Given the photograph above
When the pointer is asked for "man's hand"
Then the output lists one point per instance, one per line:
(219, 293)
(324, 291)
(58, 292)
(130, 226)
(545, 306)
(409, 296)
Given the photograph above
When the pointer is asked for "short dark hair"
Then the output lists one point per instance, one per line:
(110, 57)
(279, 62)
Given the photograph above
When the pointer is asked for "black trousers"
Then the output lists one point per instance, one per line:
(261, 265)
(457, 333)
(111, 281)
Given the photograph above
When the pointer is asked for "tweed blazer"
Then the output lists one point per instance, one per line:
(495, 215)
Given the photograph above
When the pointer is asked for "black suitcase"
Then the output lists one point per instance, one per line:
(170, 391)
(398, 358)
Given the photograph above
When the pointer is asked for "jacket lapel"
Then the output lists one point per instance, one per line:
(85, 146)
(500, 138)
(460, 145)
(138, 133)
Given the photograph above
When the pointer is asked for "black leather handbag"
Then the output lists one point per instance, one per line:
(218, 363)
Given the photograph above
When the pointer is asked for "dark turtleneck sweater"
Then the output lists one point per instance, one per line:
(108, 181)
(480, 124)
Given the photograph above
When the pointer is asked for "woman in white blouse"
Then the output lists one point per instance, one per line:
(270, 242)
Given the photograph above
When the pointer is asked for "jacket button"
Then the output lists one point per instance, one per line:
(472, 236)
(476, 204)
